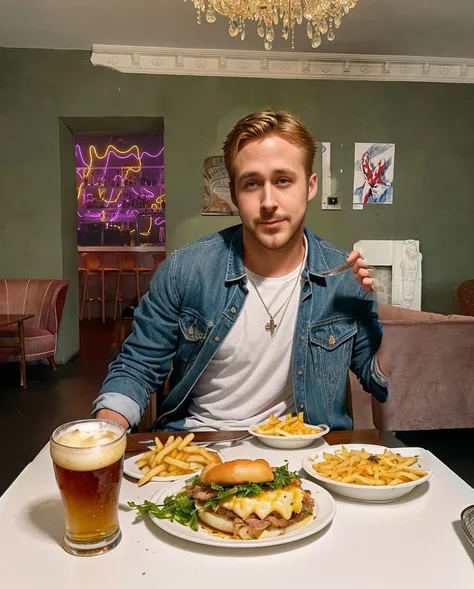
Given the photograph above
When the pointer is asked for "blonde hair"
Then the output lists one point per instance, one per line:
(267, 122)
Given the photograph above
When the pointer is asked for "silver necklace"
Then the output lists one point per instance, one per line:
(271, 326)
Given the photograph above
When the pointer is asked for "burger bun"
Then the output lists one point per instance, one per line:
(237, 472)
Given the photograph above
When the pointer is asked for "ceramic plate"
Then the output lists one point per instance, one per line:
(368, 492)
(324, 512)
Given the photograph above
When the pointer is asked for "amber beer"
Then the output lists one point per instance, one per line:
(88, 464)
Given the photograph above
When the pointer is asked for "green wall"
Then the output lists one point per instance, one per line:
(432, 126)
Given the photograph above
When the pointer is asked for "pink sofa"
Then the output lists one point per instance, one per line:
(43, 298)
(432, 373)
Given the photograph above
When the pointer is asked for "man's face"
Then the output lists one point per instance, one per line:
(271, 190)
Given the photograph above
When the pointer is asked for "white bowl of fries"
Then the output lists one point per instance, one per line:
(288, 432)
(178, 458)
(366, 472)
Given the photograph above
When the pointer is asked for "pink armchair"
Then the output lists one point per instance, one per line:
(432, 371)
(43, 298)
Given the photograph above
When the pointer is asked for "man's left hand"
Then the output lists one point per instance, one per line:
(361, 271)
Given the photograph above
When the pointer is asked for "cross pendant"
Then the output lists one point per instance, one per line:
(271, 327)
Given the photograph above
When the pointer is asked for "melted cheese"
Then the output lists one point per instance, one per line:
(283, 501)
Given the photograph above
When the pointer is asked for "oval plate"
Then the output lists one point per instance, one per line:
(324, 511)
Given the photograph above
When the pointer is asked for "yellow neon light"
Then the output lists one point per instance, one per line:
(79, 190)
(92, 150)
(115, 199)
(149, 229)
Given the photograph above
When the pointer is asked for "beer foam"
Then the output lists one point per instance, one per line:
(86, 446)
(79, 438)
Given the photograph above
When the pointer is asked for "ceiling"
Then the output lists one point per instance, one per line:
(432, 28)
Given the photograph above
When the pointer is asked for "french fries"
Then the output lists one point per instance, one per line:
(176, 457)
(287, 427)
(359, 467)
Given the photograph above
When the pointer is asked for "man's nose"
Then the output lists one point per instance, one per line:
(268, 202)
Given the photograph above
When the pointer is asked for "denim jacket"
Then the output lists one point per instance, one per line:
(194, 300)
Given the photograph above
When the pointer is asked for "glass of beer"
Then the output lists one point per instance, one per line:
(88, 464)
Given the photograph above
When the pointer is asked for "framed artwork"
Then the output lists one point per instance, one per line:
(216, 198)
(373, 173)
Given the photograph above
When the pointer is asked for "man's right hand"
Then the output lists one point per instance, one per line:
(113, 416)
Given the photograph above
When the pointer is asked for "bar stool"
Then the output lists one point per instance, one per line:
(81, 268)
(94, 267)
(129, 266)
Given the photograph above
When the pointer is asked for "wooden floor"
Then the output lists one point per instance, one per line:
(27, 418)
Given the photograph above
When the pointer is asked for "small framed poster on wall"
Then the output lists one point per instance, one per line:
(216, 198)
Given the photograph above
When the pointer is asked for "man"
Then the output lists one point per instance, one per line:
(244, 317)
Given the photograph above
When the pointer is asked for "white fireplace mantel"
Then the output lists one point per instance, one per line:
(404, 260)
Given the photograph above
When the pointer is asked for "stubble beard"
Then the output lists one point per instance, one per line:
(275, 239)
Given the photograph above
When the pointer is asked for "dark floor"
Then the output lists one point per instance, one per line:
(27, 418)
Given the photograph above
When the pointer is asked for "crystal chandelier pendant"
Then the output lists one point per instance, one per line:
(322, 17)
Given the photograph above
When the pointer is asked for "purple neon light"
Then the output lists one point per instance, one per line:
(78, 147)
(118, 213)
(121, 157)
(124, 215)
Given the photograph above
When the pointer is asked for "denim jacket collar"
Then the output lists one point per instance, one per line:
(315, 259)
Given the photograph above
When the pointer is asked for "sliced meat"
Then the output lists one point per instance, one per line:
(227, 513)
(308, 501)
(255, 523)
(201, 493)
(278, 522)
(299, 516)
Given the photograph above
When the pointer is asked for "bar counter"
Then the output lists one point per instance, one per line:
(138, 249)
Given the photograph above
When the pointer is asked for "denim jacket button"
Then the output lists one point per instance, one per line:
(332, 340)
(190, 331)
(300, 372)
(217, 338)
(302, 337)
(301, 406)
(233, 310)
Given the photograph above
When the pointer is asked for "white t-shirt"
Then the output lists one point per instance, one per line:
(250, 376)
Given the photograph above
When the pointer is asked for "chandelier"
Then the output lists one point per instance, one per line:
(321, 16)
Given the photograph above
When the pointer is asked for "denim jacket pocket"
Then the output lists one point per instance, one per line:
(331, 346)
(194, 331)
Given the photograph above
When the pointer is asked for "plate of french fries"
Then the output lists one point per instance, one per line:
(288, 432)
(367, 472)
(178, 458)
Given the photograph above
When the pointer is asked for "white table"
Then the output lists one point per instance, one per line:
(412, 543)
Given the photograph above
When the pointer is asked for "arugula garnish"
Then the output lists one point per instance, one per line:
(282, 477)
(180, 508)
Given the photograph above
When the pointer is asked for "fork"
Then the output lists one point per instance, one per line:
(337, 270)
(233, 441)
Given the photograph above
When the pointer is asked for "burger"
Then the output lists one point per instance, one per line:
(248, 499)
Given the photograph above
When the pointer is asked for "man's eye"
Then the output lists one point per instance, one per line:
(283, 181)
(251, 184)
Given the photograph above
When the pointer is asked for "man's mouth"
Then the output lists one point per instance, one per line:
(272, 222)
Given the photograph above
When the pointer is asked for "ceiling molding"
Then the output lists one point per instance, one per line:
(282, 65)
